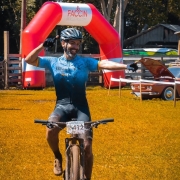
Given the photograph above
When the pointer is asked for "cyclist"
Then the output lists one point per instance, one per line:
(70, 73)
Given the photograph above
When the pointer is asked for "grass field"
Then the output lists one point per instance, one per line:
(142, 144)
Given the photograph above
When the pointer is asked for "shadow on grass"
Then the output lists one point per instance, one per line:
(16, 94)
(1, 109)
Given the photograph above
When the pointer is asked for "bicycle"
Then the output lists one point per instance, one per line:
(74, 146)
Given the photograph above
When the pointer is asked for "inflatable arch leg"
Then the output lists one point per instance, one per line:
(74, 14)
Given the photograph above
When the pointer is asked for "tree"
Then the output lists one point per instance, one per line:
(10, 21)
(110, 6)
(138, 14)
(10, 18)
(143, 13)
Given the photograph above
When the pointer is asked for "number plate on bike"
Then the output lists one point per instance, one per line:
(75, 127)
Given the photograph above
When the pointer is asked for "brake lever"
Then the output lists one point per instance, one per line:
(50, 125)
(95, 125)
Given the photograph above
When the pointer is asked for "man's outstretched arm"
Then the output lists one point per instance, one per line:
(116, 66)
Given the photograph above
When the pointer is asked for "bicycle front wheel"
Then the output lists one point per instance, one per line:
(75, 163)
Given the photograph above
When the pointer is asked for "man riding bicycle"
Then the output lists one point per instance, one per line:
(70, 74)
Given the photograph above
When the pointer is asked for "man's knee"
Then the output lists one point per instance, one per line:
(52, 133)
(54, 117)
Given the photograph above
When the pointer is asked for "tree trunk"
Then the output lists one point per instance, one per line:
(116, 17)
(106, 10)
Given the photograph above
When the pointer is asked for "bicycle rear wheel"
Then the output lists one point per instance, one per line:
(75, 163)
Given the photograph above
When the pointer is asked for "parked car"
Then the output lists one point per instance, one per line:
(160, 73)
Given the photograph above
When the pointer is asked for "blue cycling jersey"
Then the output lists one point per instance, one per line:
(70, 76)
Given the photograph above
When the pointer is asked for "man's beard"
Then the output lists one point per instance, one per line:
(70, 54)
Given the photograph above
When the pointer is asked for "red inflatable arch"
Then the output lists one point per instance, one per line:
(73, 14)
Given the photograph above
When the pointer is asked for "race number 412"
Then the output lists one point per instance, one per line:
(75, 127)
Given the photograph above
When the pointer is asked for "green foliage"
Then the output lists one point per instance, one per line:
(10, 21)
(141, 12)
(138, 13)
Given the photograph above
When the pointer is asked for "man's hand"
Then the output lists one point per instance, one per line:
(49, 42)
(133, 67)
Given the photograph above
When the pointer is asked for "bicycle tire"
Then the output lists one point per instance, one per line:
(75, 165)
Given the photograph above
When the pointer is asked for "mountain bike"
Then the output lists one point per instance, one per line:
(74, 145)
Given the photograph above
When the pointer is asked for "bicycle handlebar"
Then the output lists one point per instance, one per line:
(92, 123)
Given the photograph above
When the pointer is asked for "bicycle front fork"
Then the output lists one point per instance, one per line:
(79, 143)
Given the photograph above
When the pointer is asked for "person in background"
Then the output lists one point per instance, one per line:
(70, 74)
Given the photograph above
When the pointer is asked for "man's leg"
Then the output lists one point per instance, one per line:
(88, 158)
(52, 136)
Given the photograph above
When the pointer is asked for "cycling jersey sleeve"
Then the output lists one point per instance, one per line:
(44, 62)
(92, 64)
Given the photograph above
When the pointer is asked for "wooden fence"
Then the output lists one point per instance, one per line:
(11, 72)
(10, 67)
(2, 83)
